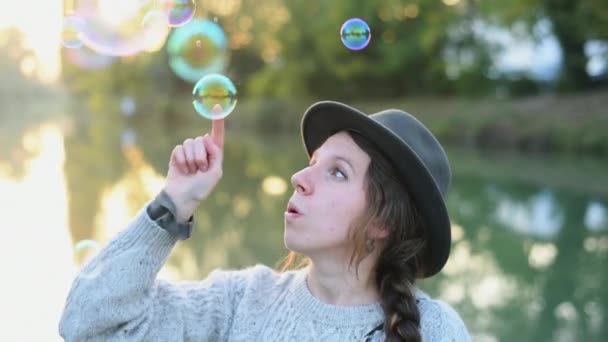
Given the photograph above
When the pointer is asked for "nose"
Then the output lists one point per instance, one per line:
(301, 181)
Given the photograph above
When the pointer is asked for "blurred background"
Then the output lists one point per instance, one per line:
(94, 95)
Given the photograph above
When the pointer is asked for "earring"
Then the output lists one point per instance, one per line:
(369, 245)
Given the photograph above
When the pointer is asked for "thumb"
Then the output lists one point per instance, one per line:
(214, 153)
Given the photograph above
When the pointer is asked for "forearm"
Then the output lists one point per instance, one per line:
(114, 288)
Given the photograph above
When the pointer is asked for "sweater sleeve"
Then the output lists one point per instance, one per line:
(116, 296)
(441, 323)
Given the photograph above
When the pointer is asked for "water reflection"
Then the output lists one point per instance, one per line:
(539, 216)
(36, 263)
(527, 263)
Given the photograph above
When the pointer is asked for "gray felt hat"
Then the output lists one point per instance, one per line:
(414, 151)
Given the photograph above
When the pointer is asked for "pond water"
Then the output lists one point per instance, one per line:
(530, 234)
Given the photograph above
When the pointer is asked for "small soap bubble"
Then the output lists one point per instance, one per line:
(84, 250)
(179, 12)
(355, 34)
(214, 96)
(71, 32)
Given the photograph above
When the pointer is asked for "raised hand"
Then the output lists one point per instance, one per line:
(195, 168)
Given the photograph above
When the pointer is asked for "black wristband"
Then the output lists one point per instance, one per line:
(162, 210)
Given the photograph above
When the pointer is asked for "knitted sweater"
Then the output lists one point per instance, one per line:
(117, 297)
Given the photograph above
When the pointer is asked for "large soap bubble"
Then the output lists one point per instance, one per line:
(196, 49)
(115, 27)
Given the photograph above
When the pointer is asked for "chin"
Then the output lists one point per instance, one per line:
(291, 242)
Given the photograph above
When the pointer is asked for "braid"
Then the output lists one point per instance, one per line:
(396, 271)
(397, 266)
(397, 291)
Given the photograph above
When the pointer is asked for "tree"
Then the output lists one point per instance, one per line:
(573, 24)
(405, 55)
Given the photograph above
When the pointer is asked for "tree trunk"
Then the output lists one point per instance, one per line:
(568, 31)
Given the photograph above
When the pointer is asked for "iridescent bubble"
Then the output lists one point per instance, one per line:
(71, 32)
(179, 12)
(156, 30)
(196, 49)
(84, 250)
(214, 96)
(87, 58)
(355, 34)
(114, 27)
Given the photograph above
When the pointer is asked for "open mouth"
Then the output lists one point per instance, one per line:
(291, 209)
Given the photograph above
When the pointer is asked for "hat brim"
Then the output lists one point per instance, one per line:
(326, 118)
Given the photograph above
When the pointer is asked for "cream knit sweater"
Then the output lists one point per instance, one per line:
(117, 297)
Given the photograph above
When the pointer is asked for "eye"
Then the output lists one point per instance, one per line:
(336, 171)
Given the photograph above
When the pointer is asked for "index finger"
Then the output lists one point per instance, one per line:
(217, 132)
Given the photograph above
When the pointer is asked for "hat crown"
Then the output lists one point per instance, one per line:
(421, 141)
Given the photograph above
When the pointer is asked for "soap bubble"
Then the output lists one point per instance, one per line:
(86, 58)
(179, 12)
(84, 250)
(355, 34)
(214, 96)
(71, 32)
(156, 30)
(114, 27)
(196, 49)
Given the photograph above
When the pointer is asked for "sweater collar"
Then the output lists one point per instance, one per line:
(312, 308)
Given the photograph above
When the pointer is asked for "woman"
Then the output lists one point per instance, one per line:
(368, 213)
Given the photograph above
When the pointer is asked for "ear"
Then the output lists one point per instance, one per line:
(379, 232)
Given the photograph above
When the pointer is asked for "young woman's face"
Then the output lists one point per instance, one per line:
(329, 194)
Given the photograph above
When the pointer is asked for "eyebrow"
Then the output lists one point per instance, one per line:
(338, 157)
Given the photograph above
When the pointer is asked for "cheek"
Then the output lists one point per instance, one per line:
(340, 214)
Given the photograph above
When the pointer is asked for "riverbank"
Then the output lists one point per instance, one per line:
(570, 124)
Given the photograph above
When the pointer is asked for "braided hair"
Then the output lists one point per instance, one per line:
(390, 206)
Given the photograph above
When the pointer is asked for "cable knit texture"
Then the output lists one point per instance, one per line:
(117, 297)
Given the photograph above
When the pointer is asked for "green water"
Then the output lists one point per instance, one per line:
(530, 237)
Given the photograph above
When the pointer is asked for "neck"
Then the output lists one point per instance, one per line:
(338, 284)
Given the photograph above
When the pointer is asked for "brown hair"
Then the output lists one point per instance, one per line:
(389, 206)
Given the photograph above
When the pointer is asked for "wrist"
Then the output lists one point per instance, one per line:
(182, 210)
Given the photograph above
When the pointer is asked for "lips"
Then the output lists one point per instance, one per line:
(293, 209)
